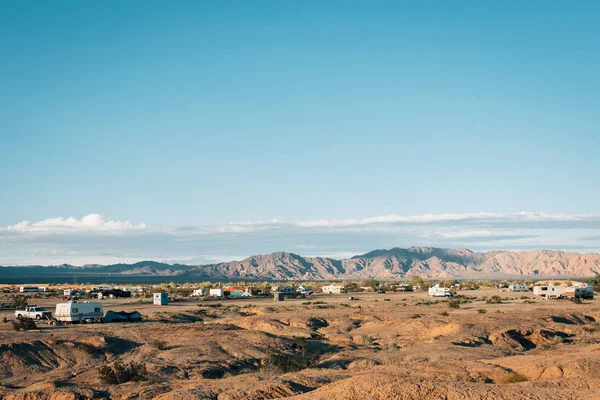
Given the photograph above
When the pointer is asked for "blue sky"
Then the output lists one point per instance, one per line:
(200, 115)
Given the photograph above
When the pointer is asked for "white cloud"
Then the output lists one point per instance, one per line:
(88, 223)
(96, 238)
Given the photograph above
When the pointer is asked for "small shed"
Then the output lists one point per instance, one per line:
(278, 296)
(160, 299)
(122, 316)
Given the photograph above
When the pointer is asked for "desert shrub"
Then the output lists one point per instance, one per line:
(514, 377)
(319, 302)
(88, 348)
(368, 341)
(318, 336)
(454, 304)
(529, 302)
(214, 305)
(576, 300)
(415, 316)
(20, 301)
(4, 320)
(300, 359)
(159, 345)
(24, 324)
(306, 303)
(121, 373)
(444, 314)
(494, 300)
(482, 311)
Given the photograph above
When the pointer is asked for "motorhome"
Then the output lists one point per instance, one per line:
(437, 291)
(74, 311)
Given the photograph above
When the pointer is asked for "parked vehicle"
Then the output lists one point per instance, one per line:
(29, 289)
(73, 311)
(304, 290)
(33, 312)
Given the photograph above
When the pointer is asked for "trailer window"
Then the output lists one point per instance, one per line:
(96, 310)
(76, 310)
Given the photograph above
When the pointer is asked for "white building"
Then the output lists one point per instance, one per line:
(333, 289)
(217, 292)
(160, 299)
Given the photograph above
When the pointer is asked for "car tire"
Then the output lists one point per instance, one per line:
(38, 317)
(19, 316)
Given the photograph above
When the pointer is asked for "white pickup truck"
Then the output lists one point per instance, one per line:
(33, 312)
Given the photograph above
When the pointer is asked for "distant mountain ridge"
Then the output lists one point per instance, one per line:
(395, 263)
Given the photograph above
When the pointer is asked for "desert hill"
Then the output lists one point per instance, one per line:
(395, 263)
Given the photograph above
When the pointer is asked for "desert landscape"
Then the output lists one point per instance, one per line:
(482, 344)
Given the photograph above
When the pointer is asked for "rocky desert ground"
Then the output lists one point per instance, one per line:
(379, 346)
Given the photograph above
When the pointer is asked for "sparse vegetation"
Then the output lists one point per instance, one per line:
(300, 359)
(494, 300)
(121, 373)
(454, 303)
(482, 311)
(444, 314)
(159, 345)
(24, 324)
(368, 341)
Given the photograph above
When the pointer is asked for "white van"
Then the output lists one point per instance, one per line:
(74, 311)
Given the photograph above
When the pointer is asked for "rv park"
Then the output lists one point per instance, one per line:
(308, 341)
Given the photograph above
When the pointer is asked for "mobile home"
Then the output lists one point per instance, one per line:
(333, 289)
(74, 311)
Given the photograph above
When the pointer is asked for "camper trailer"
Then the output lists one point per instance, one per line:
(437, 291)
(74, 311)
(29, 289)
(199, 292)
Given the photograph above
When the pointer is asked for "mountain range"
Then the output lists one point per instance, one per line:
(395, 263)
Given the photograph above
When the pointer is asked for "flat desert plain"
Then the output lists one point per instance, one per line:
(379, 346)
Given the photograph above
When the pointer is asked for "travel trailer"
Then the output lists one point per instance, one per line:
(29, 289)
(199, 292)
(437, 291)
(518, 288)
(580, 292)
(73, 311)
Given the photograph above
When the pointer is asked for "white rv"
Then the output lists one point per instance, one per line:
(518, 288)
(74, 311)
(29, 289)
(199, 292)
(437, 291)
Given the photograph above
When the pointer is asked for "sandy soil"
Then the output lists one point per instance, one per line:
(381, 346)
